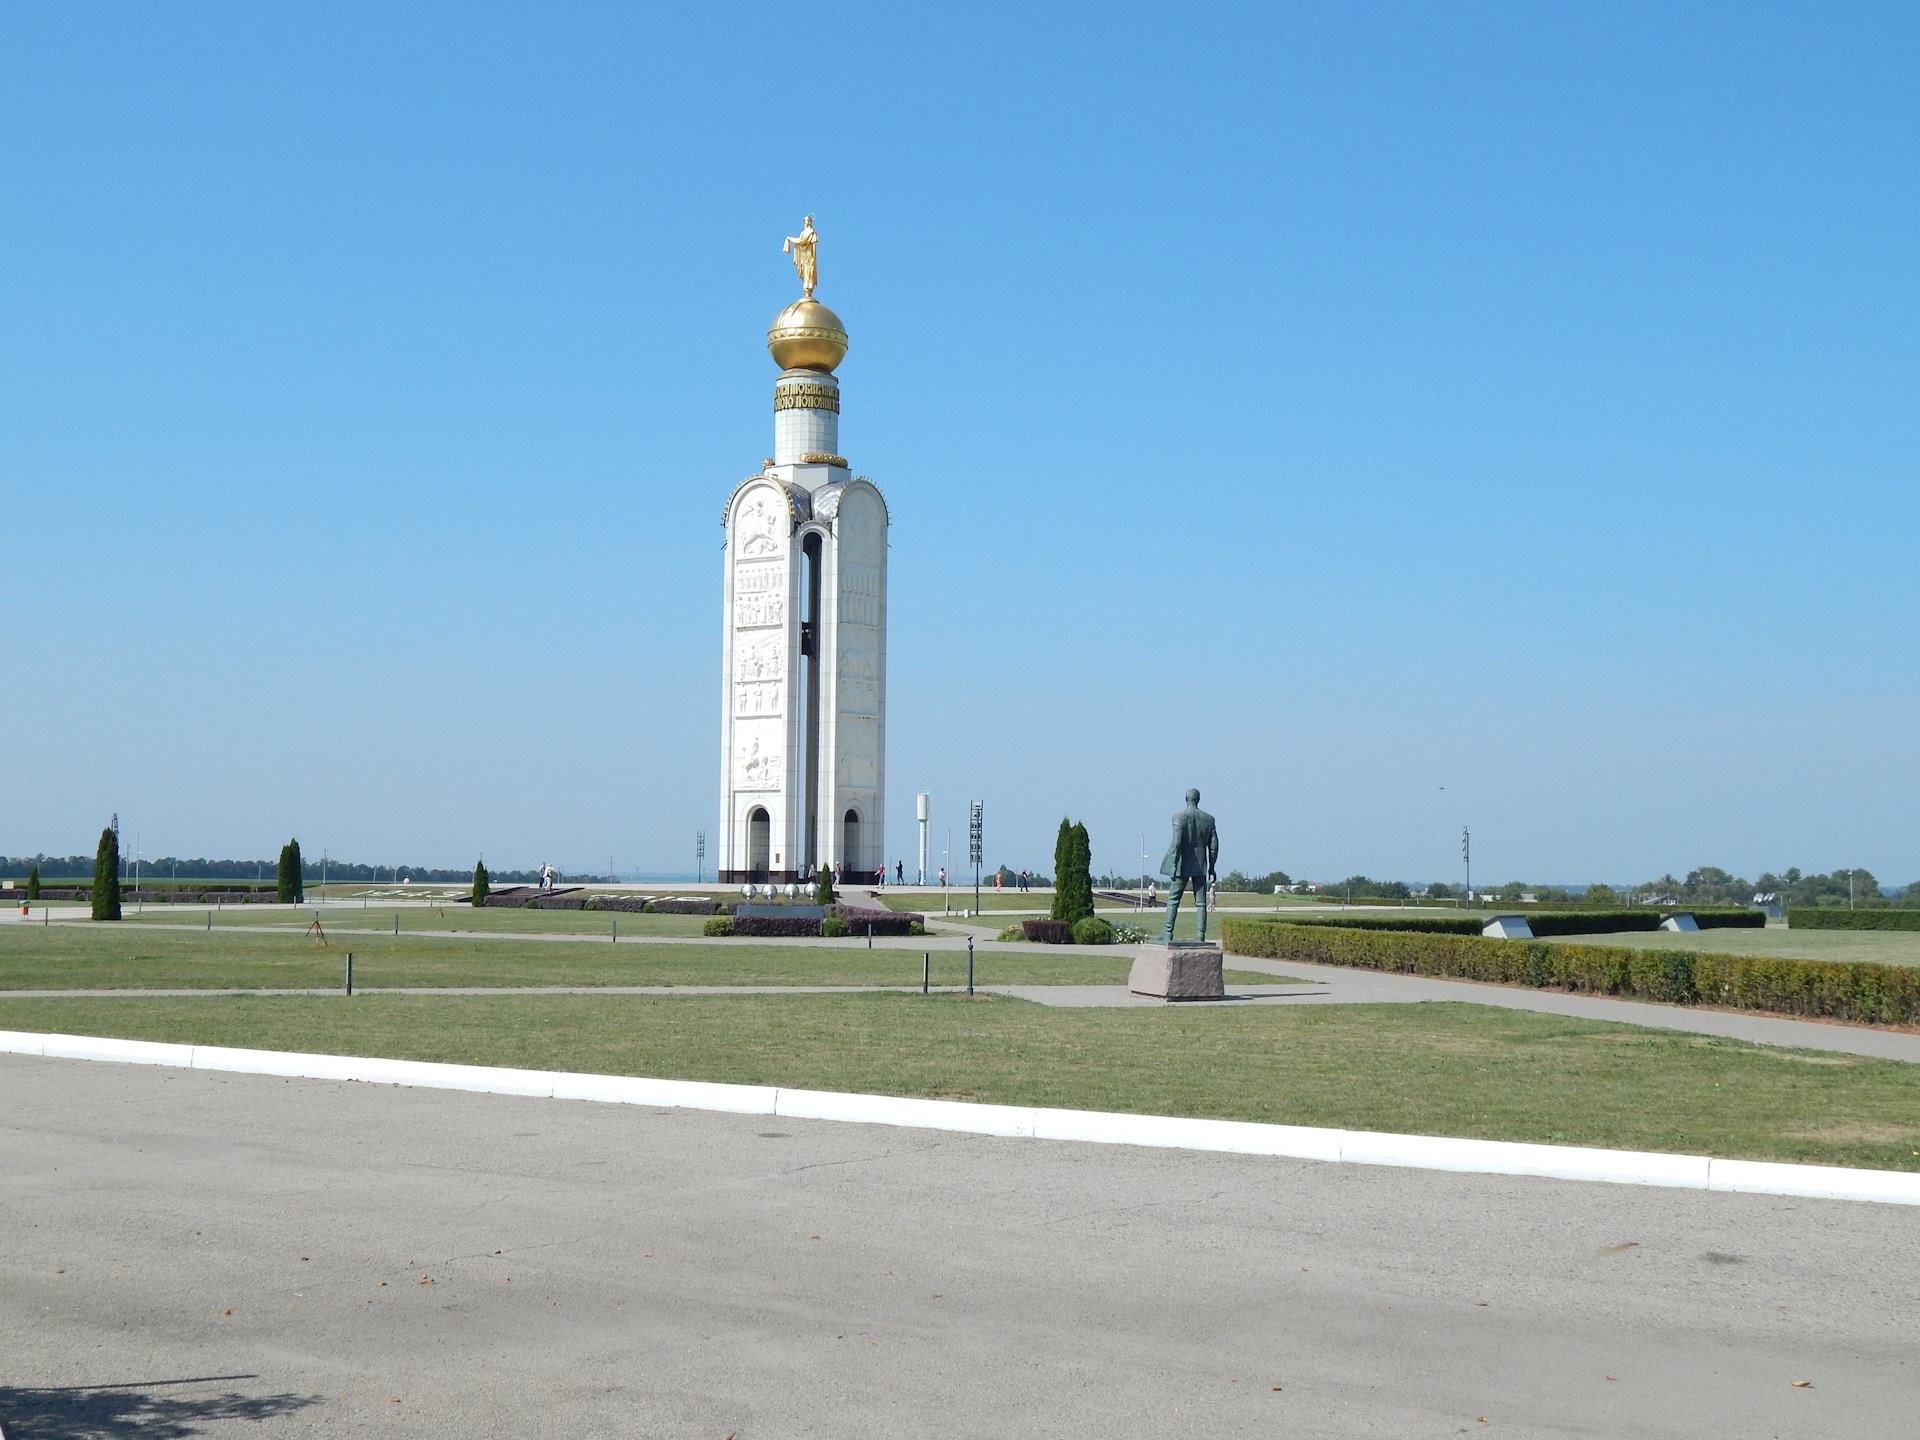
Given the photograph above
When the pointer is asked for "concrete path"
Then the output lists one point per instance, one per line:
(195, 1253)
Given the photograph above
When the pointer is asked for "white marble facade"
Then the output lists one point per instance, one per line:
(804, 652)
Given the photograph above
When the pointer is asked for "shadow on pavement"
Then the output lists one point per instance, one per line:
(109, 1412)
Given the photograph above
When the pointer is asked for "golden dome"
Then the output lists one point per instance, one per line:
(807, 336)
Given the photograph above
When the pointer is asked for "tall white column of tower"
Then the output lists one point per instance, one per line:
(803, 649)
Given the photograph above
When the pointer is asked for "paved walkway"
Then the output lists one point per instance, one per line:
(243, 1257)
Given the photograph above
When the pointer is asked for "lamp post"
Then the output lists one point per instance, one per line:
(923, 809)
(974, 848)
(1466, 861)
(700, 857)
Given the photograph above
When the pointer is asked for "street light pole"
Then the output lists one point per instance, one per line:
(1466, 861)
(700, 857)
(974, 848)
(923, 810)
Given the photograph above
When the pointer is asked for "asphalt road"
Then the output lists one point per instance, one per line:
(374, 1260)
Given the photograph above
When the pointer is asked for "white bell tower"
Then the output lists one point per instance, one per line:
(804, 639)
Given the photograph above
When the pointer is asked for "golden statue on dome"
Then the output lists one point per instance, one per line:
(802, 247)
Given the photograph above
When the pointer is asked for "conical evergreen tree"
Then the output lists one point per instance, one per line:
(480, 886)
(1080, 899)
(823, 887)
(1062, 868)
(106, 877)
(291, 890)
(33, 882)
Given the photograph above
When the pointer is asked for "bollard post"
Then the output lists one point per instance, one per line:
(349, 972)
(869, 935)
(616, 932)
(209, 919)
(396, 922)
(969, 964)
(926, 971)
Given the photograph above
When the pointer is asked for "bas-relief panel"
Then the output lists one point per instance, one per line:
(859, 680)
(759, 595)
(858, 771)
(760, 657)
(860, 524)
(762, 699)
(759, 755)
(860, 594)
(760, 525)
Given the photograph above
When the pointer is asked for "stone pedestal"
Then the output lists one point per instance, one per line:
(1178, 972)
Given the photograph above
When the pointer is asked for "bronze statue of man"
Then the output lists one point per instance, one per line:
(1190, 861)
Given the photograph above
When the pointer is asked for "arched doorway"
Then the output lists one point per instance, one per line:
(759, 840)
(851, 857)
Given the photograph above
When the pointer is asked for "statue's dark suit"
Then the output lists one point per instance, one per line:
(1190, 861)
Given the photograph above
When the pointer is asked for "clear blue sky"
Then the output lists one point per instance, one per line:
(1319, 404)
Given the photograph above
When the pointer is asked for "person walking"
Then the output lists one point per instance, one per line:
(899, 872)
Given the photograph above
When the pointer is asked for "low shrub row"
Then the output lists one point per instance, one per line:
(883, 922)
(1563, 922)
(1835, 990)
(840, 920)
(1807, 918)
(558, 902)
(685, 907)
(1416, 924)
(630, 904)
(1047, 932)
(771, 924)
(1087, 930)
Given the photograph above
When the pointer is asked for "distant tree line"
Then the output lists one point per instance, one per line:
(1707, 885)
(166, 867)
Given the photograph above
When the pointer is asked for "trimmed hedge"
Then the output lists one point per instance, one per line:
(884, 922)
(718, 925)
(1828, 989)
(685, 907)
(1562, 922)
(630, 903)
(558, 902)
(1092, 930)
(776, 925)
(1421, 924)
(1806, 917)
(1728, 919)
(1047, 932)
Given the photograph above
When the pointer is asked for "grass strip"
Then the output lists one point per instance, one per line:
(1430, 1069)
(129, 958)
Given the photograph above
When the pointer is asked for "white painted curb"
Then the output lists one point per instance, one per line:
(1300, 1142)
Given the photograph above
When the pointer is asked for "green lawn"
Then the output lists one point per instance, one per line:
(85, 957)
(1884, 947)
(1436, 1069)
(441, 918)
